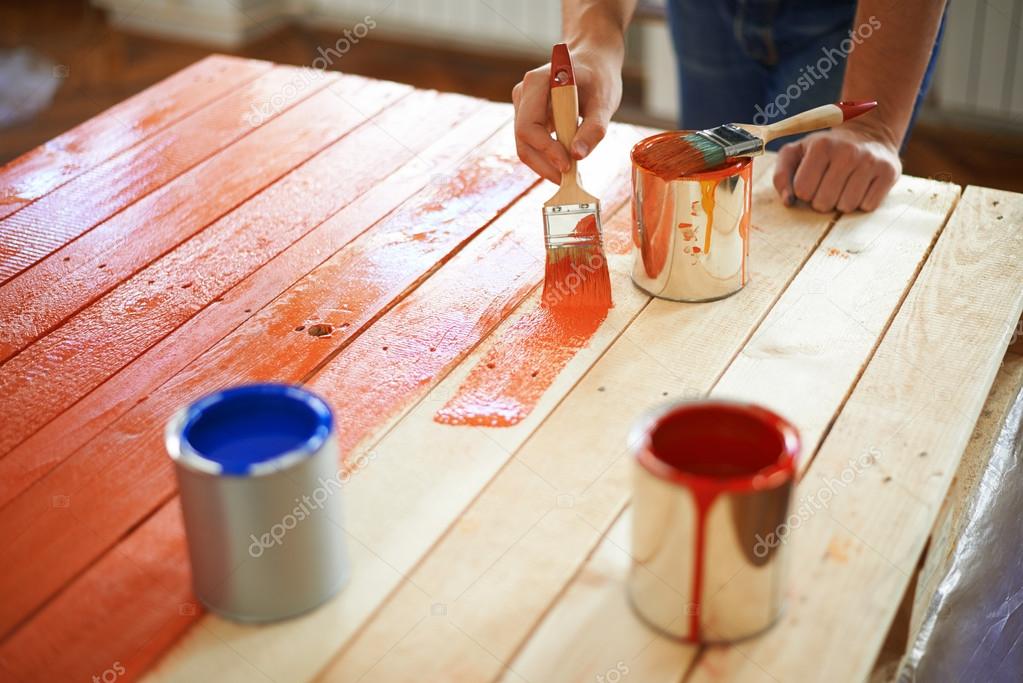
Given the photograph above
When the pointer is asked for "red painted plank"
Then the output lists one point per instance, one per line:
(128, 321)
(60, 217)
(49, 166)
(512, 256)
(120, 477)
(84, 419)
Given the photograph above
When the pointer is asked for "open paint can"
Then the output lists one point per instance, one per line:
(257, 470)
(713, 480)
(690, 233)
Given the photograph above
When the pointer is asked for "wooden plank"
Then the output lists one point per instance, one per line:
(517, 586)
(114, 482)
(539, 501)
(915, 405)
(35, 173)
(85, 418)
(34, 306)
(508, 260)
(809, 350)
(237, 242)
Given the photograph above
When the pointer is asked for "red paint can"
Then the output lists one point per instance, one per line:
(713, 482)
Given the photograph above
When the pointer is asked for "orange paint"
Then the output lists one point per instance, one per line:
(502, 389)
(578, 275)
(707, 189)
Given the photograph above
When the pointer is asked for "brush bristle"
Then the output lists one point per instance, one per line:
(577, 276)
(678, 156)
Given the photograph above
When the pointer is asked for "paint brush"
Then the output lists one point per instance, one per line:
(576, 272)
(705, 149)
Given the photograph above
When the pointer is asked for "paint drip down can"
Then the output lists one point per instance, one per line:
(690, 233)
(260, 488)
(712, 485)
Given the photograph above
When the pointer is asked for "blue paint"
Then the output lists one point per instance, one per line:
(251, 424)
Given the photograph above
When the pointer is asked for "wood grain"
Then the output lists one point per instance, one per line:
(916, 405)
(35, 173)
(120, 477)
(209, 259)
(31, 307)
(85, 418)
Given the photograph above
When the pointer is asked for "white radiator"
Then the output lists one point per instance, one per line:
(512, 26)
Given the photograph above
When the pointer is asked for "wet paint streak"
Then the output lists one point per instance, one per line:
(349, 291)
(49, 166)
(505, 386)
(707, 189)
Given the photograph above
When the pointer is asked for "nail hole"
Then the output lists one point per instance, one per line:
(103, 265)
(600, 388)
(887, 479)
(998, 218)
(385, 348)
(67, 258)
(248, 310)
(150, 282)
(186, 285)
(922, 454)
(432, 349)
(300, 328)
(664, 393)
(321, 330)
(491, 366)
(994, 203)
(534, 373)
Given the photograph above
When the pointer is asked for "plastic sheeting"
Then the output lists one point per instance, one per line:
(973, 628)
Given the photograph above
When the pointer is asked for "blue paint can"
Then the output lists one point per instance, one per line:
(260, 484)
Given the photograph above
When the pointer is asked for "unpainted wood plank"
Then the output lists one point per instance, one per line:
(800, 361)
(440, 322)
(914, 407)
(526, 523)
(84, 419)
(120, 477)
(35, 306)
(97, 341)
(41, 170)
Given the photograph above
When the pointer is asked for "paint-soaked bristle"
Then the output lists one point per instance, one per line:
(577, 276)
(682, 155)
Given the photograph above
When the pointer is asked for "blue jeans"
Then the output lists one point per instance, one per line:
(757, 61)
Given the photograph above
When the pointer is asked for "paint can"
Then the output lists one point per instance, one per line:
(257, 470)
(712, 485)
(690, 234)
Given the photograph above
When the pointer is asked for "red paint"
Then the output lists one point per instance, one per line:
(714, 447)
(504, 387)
(852, 109)
(562, 73)
(49, 166)
(349, 291)
(578, 275)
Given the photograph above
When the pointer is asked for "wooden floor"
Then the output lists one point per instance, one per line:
(104, 66)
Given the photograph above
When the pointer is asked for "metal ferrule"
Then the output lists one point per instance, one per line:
(560, 223)
(736, 141)
(691, 234)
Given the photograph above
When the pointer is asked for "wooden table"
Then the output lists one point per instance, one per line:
(195, 235)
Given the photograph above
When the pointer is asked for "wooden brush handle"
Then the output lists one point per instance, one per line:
(565, 107)
(826, 116)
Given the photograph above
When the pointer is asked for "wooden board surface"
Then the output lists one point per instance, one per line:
(142, 269)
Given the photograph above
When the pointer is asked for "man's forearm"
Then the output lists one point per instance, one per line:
(596, 24)
(888, 64)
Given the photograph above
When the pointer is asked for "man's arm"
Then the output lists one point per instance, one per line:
(595, 33)
(854, 166)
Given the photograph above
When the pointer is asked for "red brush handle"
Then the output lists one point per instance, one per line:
(851, 110)
(562, 73)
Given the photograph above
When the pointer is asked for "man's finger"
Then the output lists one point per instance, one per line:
(833, 183)
(784, 168)
(855, 189)
(531, 121)
(539, 163)
(811, 169)
(884, 179)
(591, 132)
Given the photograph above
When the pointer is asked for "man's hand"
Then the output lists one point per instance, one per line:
(599, 79)
(846, 168)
